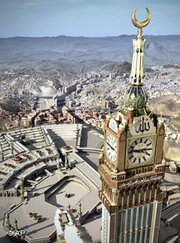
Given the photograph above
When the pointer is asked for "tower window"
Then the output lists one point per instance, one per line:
(128, 238)
(134, 219)
(143, 235)
(140, 217)
(150, 214)
(129, 221)
(138, 236)
(122, 239)
(133, 237)
(145, 215)
(148, 235)
(124, 221)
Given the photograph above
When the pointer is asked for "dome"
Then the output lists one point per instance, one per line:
(136, 97)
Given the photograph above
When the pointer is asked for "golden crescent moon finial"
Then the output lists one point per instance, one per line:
(143, 23)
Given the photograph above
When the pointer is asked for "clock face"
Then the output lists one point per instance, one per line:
(113, 125)
(140, 150)
(111, 148)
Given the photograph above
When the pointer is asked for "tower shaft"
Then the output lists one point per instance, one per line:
(131, 167)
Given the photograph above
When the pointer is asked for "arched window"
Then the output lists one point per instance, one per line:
(131, 197)
(137, 195)
(142, 194)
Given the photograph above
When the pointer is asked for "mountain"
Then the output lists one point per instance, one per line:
(75, 53)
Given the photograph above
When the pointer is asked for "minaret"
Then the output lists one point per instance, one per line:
(136, 96)
(16, 225)
(7, 221)
(131, 167)
(22, 188)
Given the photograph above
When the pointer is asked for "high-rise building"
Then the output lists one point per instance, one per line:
(131, 167)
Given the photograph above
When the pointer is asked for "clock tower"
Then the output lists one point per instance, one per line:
(130, 166)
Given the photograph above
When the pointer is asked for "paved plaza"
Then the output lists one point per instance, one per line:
(74, 189)
(50, 188)
(46, 208)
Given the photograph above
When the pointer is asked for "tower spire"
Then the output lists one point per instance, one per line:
(137, 70)
(135, 96)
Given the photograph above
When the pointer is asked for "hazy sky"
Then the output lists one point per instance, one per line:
(86, 17)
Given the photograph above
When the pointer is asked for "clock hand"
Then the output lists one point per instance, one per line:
(146, 148)
(110, 146)
(136, 150)
(141, 150)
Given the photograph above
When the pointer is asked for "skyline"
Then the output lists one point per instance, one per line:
(95, 18)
